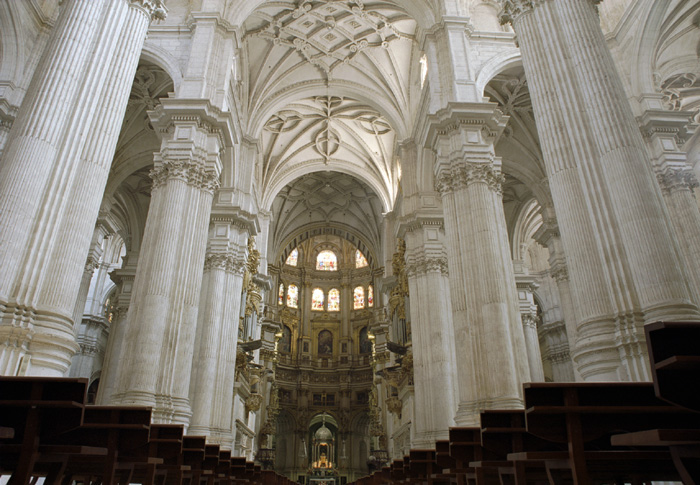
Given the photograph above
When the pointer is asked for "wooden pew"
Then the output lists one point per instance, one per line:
(584, 416)
(39, 409)
(504, 432)
(122, 430)
(465, 448)
(674, 356)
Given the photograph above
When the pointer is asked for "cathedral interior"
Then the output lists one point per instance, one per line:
(322, 232)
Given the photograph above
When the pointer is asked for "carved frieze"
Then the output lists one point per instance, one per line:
(514, 9)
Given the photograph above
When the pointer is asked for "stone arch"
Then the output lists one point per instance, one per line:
(502, 62)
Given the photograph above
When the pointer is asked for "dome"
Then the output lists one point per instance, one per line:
(323, 433)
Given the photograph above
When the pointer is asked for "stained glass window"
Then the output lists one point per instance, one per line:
(334, 300)
(358, 298)
(360, 260)
(370, 296)
(293, 296)
(293, 257)
(280, 295)
(327, 261)
(317, 299)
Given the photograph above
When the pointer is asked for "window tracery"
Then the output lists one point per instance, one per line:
(327, 261)
(317, 299)
(334, 300)
(293, 296)
(358, 298)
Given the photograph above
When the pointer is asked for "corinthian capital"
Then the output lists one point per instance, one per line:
(154, 9)
(191, 172)
(468, 173)
(676, 179)
(514, 9)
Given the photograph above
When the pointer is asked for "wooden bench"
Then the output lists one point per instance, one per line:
(585, 415)
(39, 409)
(674, 356)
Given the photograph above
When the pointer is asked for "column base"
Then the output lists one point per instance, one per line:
(468, 413)
(595, 353)
(172, 410)
(217, 436)
(35, 342)
(426, 440)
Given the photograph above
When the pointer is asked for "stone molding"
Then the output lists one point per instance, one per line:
(192, 173)
(468, 173)
(512, 10)
(676, 179)
(426, 264)
(154, 9)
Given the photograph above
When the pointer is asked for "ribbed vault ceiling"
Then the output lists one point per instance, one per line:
(326, 199)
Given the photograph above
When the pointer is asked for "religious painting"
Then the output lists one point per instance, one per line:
(325, 343)
(360, 260)
(293, 257)
(370, 296)
(293, 296)
(365, 342)
(345, 348)
(358, 295)
(285, 343)
(334, 300)
(306, 347)
(327, 261)
(317, 299)
(280, 296)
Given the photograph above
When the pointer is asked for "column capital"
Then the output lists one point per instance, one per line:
(188, 171)
(512, 10)
(676, 179)
(425, 264)
(154, 9)
(467, 173)
(226, 261)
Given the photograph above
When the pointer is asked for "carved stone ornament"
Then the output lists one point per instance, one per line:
(394, 405)
(190, 172)
(155, 9)
(468, 173)
(425, 265)
(513, 9)
(254, 402)
(674, 180)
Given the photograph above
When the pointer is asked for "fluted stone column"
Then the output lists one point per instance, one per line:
(525, 286)
(431, 321)
(54, 169)
(621, 254)
(214, 365)
(488, 332)
(114, 351)
(163, 312)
